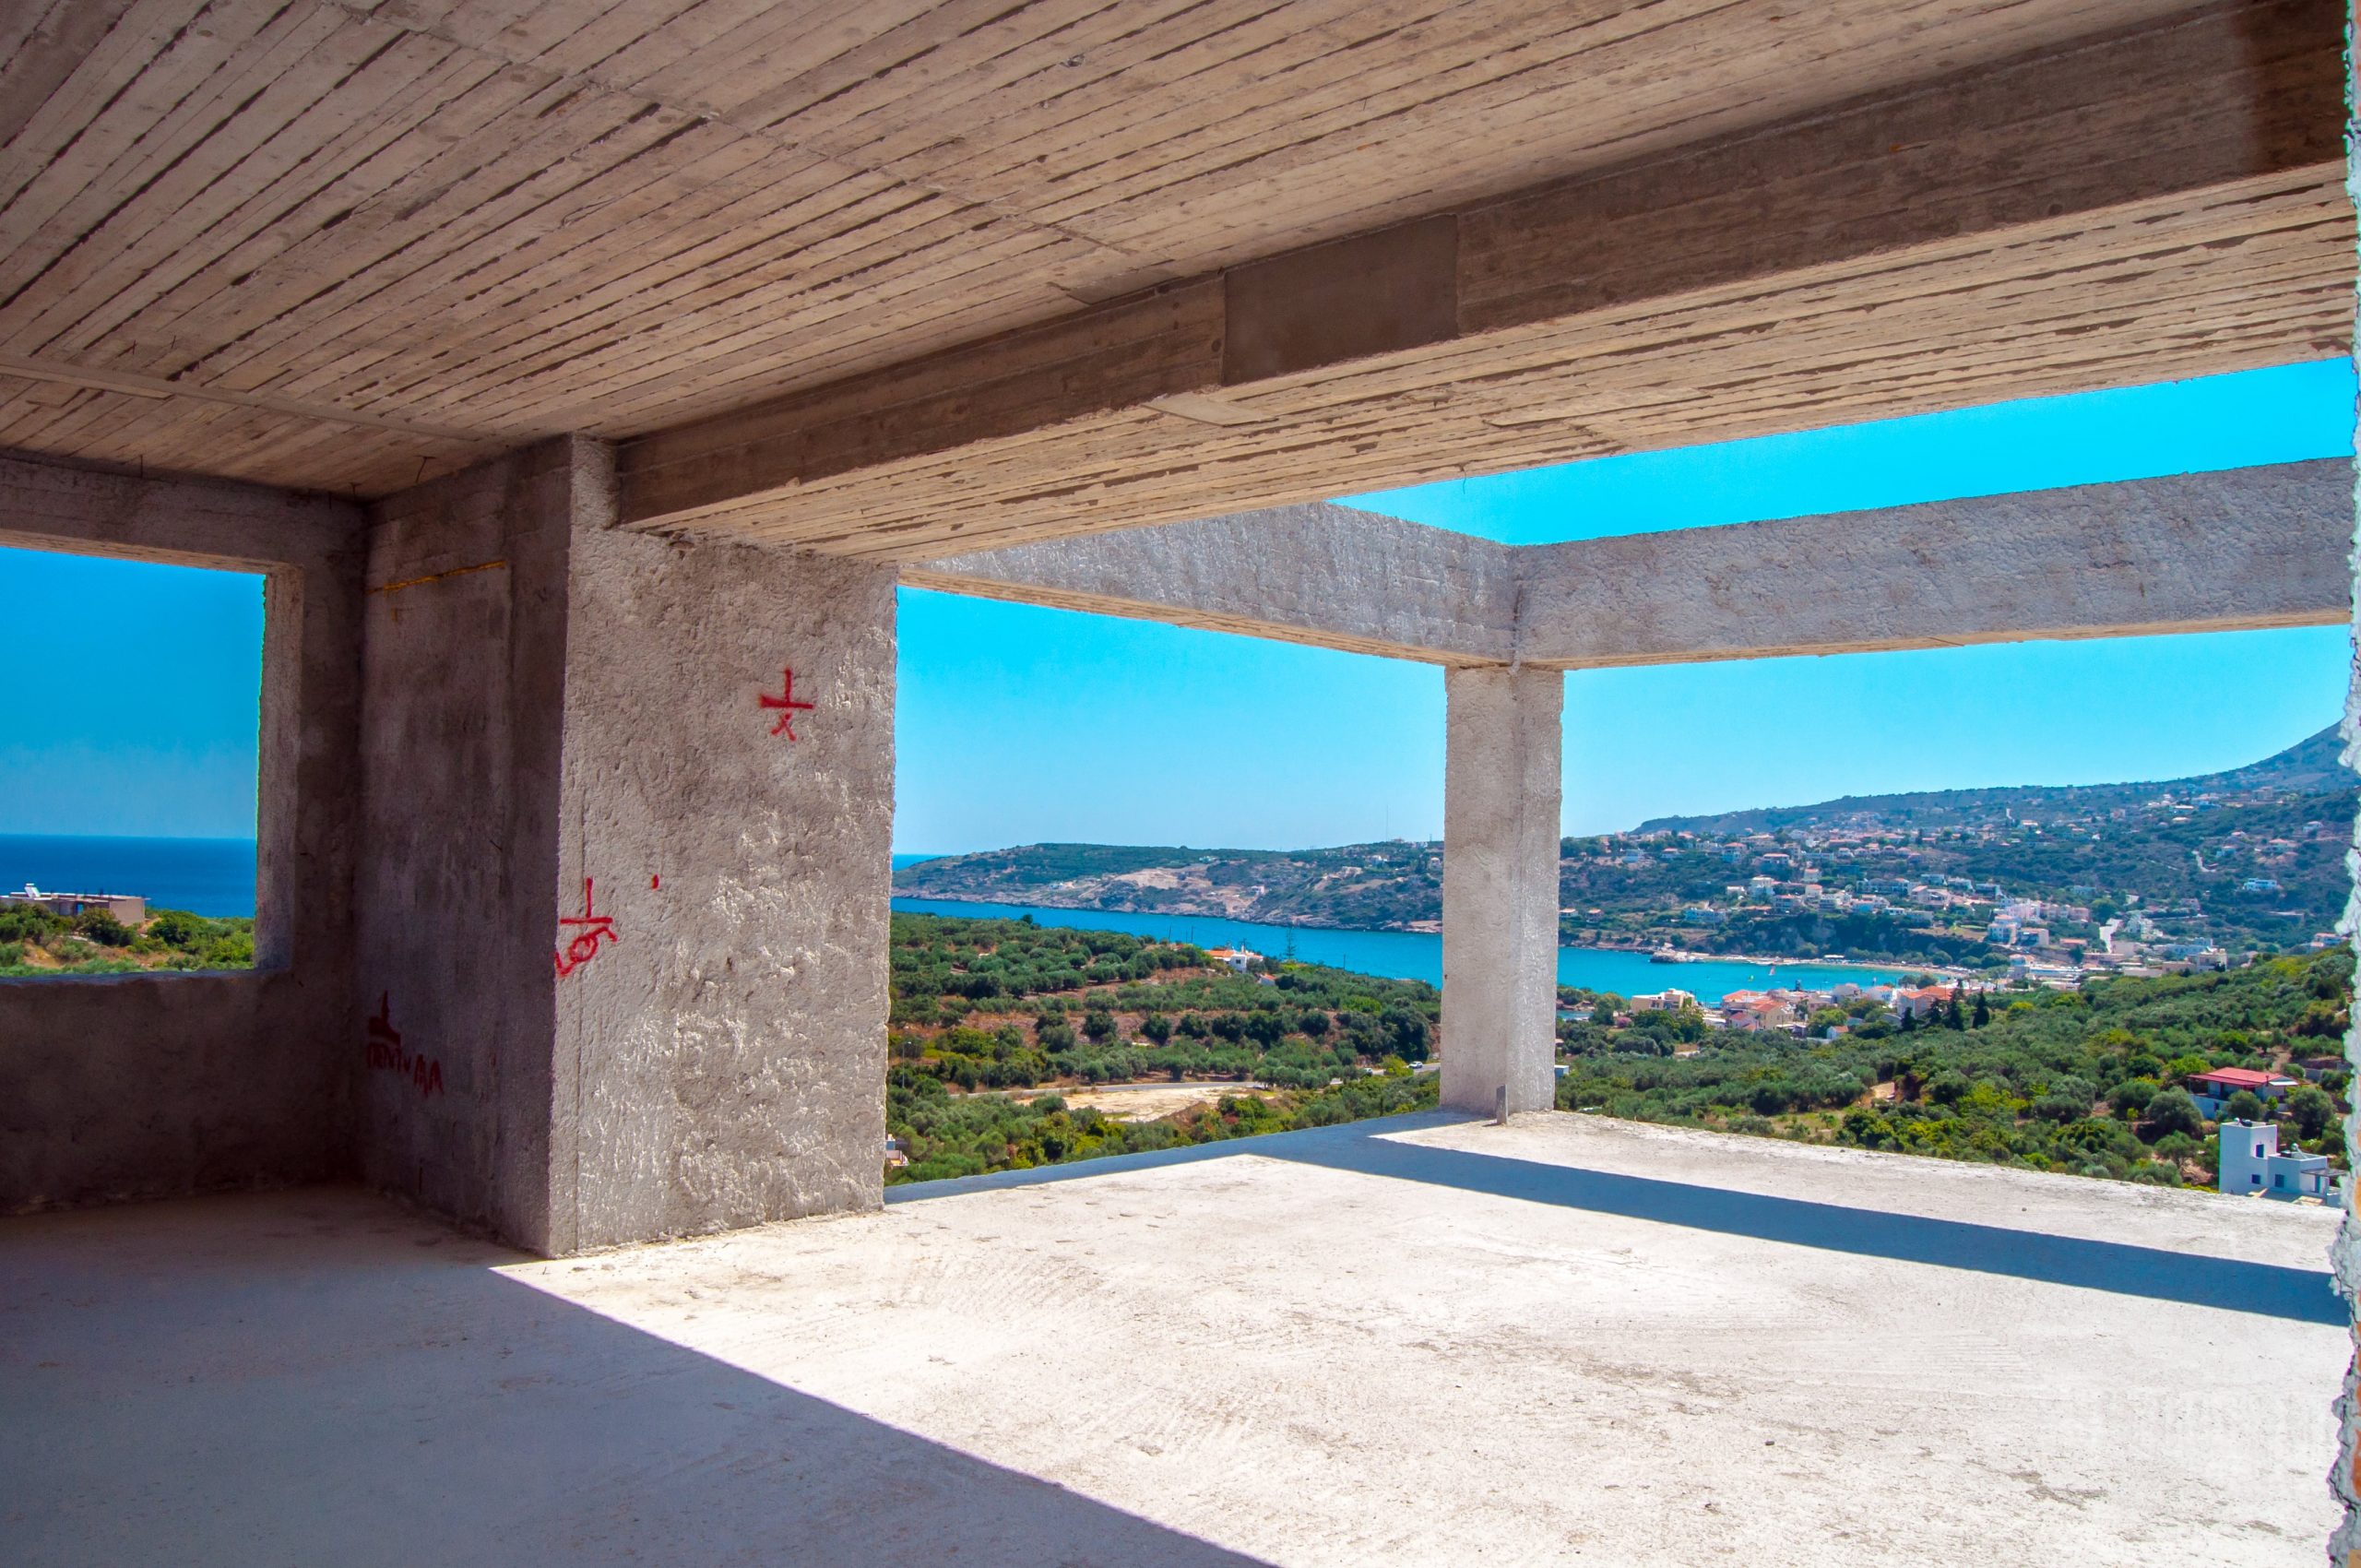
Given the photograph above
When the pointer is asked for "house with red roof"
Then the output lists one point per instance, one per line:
(2211, 1090)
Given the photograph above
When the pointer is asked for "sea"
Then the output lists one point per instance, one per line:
(1410, 955)
(205, 877)
(215, 876)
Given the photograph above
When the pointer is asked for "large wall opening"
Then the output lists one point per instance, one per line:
(128, 774)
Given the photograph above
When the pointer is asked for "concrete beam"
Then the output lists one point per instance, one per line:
(1501, 334)
(2239, 549)
(1318, 573)
(2190, 552)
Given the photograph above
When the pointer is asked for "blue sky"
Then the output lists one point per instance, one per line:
(1018, 724)
(130, 699)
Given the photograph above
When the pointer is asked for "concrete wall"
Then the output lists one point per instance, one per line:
(552, 703)
(149, 1086)
(721, 1062)
(462, 727)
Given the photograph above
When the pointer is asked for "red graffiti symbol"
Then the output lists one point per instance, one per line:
(381, 1027)
(787, 705)
(386, 1052)
(585, 945)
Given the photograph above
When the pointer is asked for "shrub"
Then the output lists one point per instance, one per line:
(97, 925)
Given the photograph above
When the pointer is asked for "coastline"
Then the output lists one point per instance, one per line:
(1434, 928)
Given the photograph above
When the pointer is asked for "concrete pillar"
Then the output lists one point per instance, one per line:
(625, 912)
(1499, 886)
(2344, 1477)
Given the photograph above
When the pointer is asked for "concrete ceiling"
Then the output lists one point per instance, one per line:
(883, 277)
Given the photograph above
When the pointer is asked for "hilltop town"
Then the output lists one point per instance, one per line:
(2050, 882)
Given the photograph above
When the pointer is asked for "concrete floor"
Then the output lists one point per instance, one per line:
(1568, 1340)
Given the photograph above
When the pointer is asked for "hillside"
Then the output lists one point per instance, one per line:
(2308, 768)
(2253, 857)
(981, 1007)
(2082, 1082)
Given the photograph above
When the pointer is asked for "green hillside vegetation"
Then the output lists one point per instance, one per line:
(34, 941)
(986, 1005)
(2083, 1082)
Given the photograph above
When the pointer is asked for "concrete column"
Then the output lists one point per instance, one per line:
(2345, 1255)
(1499, 886)
(624, 931)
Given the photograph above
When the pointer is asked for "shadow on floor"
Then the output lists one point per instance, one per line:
(362, 1389)
(2269, 1290)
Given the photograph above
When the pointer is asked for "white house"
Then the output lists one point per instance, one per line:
(125, 908)
(2251, 1163)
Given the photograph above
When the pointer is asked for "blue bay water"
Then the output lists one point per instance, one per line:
(215, 876)
(205, 877)
(1409, 954)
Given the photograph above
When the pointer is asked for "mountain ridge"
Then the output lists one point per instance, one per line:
(2310, 766)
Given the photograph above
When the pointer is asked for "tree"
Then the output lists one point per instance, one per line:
(1983, 1011)
(2171, 1110)
(1099, 1025)
(2243, 1106)
(1407, 1032)
(2132, 1095)
(1314, 1022)
(2312, 1111)
(1157, 1027)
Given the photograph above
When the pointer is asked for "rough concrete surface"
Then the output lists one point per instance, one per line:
(2344, 1476)
(721, 1062)
(145, 1085)
(1322, 1348)
(1329, 576)
(1499, 885)
(2188, 553)
(2262, 546)
(632, 933)
(461, 735)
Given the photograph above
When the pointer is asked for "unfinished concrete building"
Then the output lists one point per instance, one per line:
(585, 375)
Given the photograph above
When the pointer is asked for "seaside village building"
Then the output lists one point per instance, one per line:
(2251, 1164)
(584, 378)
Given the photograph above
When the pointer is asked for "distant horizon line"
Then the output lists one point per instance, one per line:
(139, 837)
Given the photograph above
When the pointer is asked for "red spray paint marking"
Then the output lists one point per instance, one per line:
(655, 882)
(584, 947)
(386, 1052)
(787, 705)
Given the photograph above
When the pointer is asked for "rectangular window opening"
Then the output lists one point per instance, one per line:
(130, 768)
